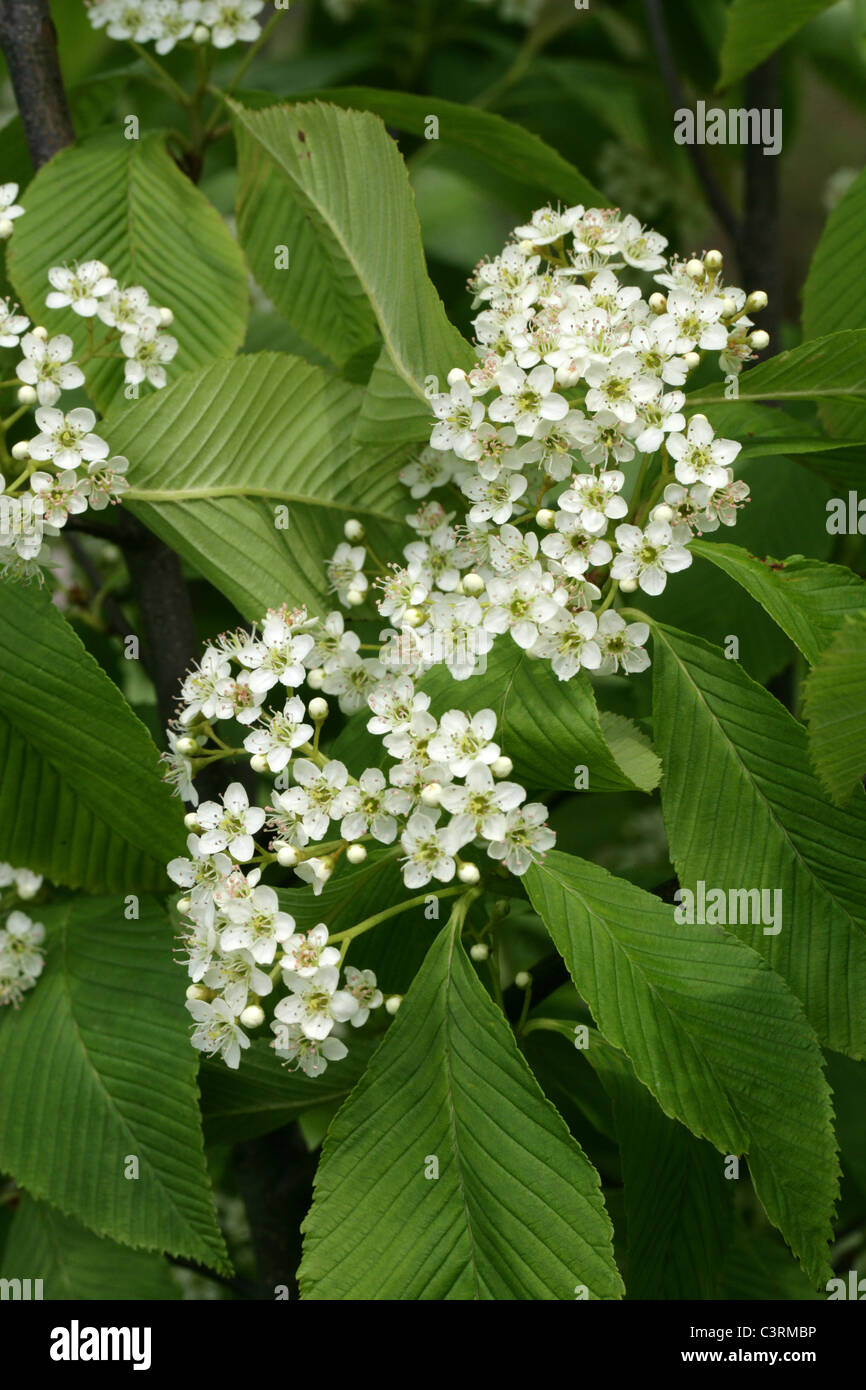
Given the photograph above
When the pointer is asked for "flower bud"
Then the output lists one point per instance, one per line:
(480, 951)
(523, 979)
(759, 340)
(729, 307)
(658, 302)
(27, 396)
(545, 518)
(431, 793)
(287, 856)
(40, 332)
(713, 260)
(695, 270)
(393, 1003)
(183, 906)
(166, 318)
(197, 992)
(663, 513)
(7, 227)
(356, 854)
(413, 617)
(469, 873)
(627, 586)
(502, 766)
(21, 450)
(316, 677)
(190, 820)
(318, 709)
(200, 34)
(187, 746)
(253, 1016)
(756, 300)
(473, 585)
(353, 530)
(259, 763)
(354, 598)
(692, 360)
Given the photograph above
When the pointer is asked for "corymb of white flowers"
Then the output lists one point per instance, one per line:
(570, 383)
(21, 958)
(66, 467)
(166, 23)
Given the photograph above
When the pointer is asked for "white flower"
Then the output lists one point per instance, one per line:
(46, 366)
(548, 225)
(361, 985)
(306, 952)
(595, 500)
(21, 959)
(700, 457)
(284, 731)
(218, 1032)
(620, 386)
(106, 481)
(316, 1003)
(231, 825)
(462, 740)
(526, 838)
(459, 415)
(9, 209)
(62, 495)
(276, 656)
(320, 796)
(231, 21)
(67, 439)
(659, 418)
(480, 807)
(569, 643)
(203, 688)
(648, 556)
(179, 772)
(255, 924)
(310, 1055)
(692, 321)
(126, 309)
(12, 325)
(526, 400)
(429, 850)
(147, 350)
(346, 571)
(25, 881)
(431, 469)
(621, 645)
(494, 501)
(81, 288)
(372, 807)
(520, 605)
(235, 977)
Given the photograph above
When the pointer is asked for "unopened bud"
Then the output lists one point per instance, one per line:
(658, 302)
(523, 979)
(695, 270)
(627, 586)
(393, 1003)
(21, 450)
(502, 766)
(413, 617)
(354, 598)
(713, 260)
(473, 585)
(756, 300)
(353, 530)
(480, 951)
(27, 396)
(166, 318)
(692, 360)
(200, 34)
(40, 332)
(759, 340)
(253, 1016)
(316, 677)
(318, 709)
(7, 227)
(259, 763)
(183, 906)
(191, 822)
(431, 793)
(287, 856)
(197, 992)
(356, 854)
(729, 307)
(187, 746)
(545, 518)
(663, 513)
(469, 873)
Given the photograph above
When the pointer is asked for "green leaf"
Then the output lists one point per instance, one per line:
(717, 1037)
(100, 1049)
(262, 1095)
(547, 727)
(808, 599)
(744, 811)
(758, 1267)
(516, 1211)
(74, 1264)
(834, 295)
(827, 369)
(359, 275)
(126, 202)
(835, 709)
(501, 144)
(81, 796)
(678, 1204)
(756, 28)
(213, 457)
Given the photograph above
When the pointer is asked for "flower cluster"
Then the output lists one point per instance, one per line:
(65, 467)
(166, 23)
(578, 379)
(21, 959)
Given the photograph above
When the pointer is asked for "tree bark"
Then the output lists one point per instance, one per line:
(29, 42)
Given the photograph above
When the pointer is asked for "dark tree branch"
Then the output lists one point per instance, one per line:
(667, 67)
(759, 244)
(29, 43)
